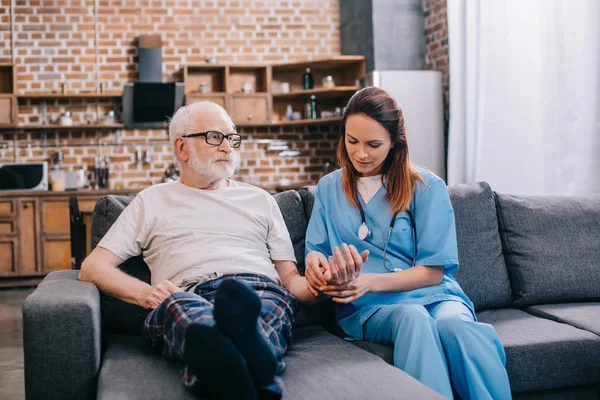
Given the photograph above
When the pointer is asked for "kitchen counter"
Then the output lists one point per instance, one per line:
(66, 193)
(102, 192)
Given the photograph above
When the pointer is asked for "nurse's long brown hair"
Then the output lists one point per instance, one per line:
(399, 176)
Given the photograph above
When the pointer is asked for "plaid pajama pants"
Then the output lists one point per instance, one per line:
(164, 327)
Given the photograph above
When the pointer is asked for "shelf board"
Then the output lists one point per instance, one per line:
(321, 63)
(317, 121)
(322, 93)
(70, 95)
(209, 94)
(7, 126)
(73, 127)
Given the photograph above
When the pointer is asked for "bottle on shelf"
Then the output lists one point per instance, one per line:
(313, 107)
(289, 113)
(98, 181)
(307, 80)
(105, 172)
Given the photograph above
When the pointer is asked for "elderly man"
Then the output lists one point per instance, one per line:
(224, 280)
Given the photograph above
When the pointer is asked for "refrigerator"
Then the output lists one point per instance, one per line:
(420, 95)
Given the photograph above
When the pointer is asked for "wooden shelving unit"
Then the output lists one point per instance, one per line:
(252, 94)
(265, 104)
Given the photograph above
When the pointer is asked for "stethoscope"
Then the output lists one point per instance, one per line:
(364, 232)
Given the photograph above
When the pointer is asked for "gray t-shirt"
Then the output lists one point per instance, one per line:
(186, 234)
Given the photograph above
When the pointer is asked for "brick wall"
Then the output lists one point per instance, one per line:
(436, 42)
(73, 42)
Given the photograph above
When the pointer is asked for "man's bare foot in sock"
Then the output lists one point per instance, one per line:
(217, 363)
(236, 311)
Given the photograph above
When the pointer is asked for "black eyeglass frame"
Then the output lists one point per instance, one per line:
(230, 138)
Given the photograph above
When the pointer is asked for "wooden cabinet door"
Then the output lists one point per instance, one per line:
(28, 234)
(9, 257)
(55, 216)
(8, 109)
(9, 244)
(57, 254)
(248, 109)
(56, 240)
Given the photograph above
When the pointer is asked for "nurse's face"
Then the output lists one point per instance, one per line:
(367, 143)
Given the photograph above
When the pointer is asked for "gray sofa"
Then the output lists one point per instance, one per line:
(531, 266)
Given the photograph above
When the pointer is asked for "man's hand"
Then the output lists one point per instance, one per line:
(349, 291)
(156, 294)
(316, 263)
(347, 268)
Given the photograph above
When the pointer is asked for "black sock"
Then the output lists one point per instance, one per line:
(217, 363)
(236, 311)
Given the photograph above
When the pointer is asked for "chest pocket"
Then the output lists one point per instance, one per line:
(402, 235)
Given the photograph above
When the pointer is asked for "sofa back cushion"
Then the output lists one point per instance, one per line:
(118, 316)
(290, 204)
(307, 194)
(552, 247)
(482, 273)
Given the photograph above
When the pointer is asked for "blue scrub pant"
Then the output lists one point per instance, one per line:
(439, 342)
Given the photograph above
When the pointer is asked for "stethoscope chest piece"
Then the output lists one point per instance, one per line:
(363, 231)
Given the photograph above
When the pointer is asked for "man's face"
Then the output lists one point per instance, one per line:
(209, 161)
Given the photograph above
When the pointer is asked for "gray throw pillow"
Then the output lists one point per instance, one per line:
(552, 247)
(482, 271)
(292, 210)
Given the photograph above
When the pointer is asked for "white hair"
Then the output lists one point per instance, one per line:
(184, 120)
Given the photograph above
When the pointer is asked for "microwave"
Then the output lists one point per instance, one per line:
(24, 176)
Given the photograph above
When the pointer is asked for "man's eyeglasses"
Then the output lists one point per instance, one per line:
(215, 138)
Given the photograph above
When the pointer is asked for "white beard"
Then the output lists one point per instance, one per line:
(212, 169)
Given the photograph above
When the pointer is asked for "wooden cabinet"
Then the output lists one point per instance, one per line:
(35, 236)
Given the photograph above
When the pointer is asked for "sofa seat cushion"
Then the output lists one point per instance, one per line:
(130, 370)
(380, 350)
(542, 354)
(319, 366)
(551, 247)
(584, 316)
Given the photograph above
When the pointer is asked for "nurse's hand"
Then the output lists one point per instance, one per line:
(316, 264)
(346, 268)
(349, 291)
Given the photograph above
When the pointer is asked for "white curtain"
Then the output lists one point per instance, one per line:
(525, 95)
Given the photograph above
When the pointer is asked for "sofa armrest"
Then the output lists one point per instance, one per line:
(62, 338)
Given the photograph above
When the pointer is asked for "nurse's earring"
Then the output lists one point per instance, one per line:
(363, 231)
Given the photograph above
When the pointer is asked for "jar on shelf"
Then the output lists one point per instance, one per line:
(328, 82)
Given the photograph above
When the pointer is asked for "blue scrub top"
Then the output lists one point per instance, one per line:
(335, 220)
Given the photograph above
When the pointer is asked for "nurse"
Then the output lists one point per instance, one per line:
(399, 290)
